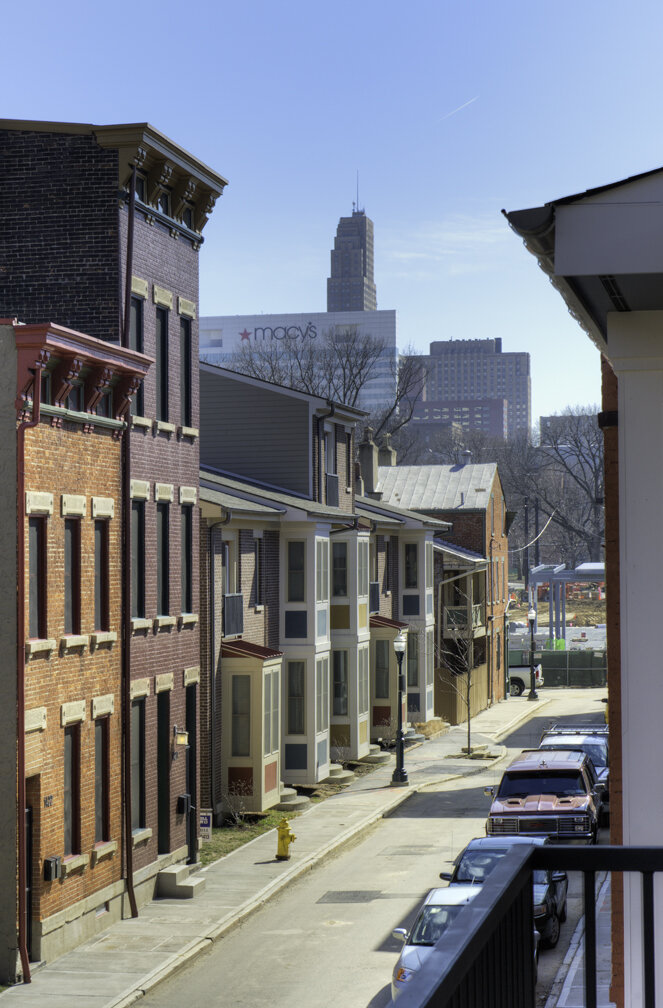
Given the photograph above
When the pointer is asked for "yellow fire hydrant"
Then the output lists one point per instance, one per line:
(285, 839)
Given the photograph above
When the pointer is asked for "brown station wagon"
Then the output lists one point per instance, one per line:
(547, 793)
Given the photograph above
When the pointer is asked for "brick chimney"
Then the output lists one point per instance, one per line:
(387, 454)
(368, 463)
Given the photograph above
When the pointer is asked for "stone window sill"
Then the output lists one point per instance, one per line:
(103, 637)
(72, 641)
(102, 850)
(140, 624)
(163, 427)
(140, 836)
(188, 619)
(73, 863)
(41, 646)
(259, 608)
(163, 622)
(141, 421)
(190, 432)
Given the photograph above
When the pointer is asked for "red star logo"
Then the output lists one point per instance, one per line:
(245, 335)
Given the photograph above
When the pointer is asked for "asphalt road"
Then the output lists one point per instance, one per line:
(327, 939)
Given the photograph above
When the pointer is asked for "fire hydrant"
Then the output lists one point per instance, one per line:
(285, 839)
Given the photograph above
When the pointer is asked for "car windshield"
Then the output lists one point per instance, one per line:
(432, 922)
(597, 753)
(520, 785)
(476, 865)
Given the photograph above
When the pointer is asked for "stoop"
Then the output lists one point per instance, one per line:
(176, 882)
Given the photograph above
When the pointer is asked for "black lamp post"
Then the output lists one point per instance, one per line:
(399, 776)
(532, 695)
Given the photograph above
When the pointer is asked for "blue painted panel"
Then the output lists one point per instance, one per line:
(295, 756)
(322, 752)
(410, 605)
(295, 623)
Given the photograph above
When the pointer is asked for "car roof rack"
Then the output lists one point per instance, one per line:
(578, 729)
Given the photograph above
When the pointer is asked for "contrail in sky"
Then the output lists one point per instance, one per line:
(464, 105)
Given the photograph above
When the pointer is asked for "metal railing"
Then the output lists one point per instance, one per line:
(486, 955)
(455, 617)
(374, 597)
(233, 615)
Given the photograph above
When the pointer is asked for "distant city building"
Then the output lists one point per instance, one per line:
(552, 429)
(487, 415)
(469, 371)
(222, 336)
(351, 286)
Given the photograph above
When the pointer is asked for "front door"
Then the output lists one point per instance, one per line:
(191, 775)
(164, 760)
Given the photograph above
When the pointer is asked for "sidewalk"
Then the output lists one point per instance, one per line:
(115, 969)
(568, 990)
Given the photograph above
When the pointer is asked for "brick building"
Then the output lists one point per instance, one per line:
(101, 229)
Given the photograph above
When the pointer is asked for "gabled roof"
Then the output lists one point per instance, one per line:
(383, 511)
(438, 487)
(268, 498)
(378, 622)
(239, 505)
(245, 649)
(459, 553)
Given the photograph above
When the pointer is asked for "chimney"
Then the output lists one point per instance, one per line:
(387, 454)
(368, 463)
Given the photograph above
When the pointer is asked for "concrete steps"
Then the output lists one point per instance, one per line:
(176, 882)
(290, 801)
(338, 775)
(376, 756)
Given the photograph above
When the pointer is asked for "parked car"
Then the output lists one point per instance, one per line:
(475, 863)
(554, 794)
(439, 909)
(590, 739)
(520, 677)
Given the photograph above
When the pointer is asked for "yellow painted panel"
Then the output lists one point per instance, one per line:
(340, 734)
(363, 731)
(363, 616)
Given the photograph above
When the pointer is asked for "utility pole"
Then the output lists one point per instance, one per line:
(537, 556)
(526, 550)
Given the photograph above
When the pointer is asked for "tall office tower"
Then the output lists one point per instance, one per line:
(476, 370)
(351, 286)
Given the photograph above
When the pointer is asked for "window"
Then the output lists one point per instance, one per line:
(161, 365)
(296, 572)
(140, 187)
(296, 695)
(138, 764)
(430, 657)
(138, 559)
(330, 452)
(163, 601)
(412, 659)
(187, 559)
(340, 569)
(411, 572)
(429, 565)
(271, 713)
(37, 577)
(322, 694)
(362, 567)
(348, 455)
(185, 372)
(163, 202)
(71, 790)
(187, 217)
(362, 669)
(46, 388)
(340, 682)
(381, 669)
(241, 715)
(257, 572)
(101, 594)
(321, 570)
(72, 576)
(136, 343)
(101, 780)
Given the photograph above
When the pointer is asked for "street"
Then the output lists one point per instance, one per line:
(328, 937)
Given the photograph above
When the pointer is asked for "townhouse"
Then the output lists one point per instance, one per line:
(101, 228)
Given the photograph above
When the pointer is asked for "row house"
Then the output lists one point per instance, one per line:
(63, 422)
(110, 247)
(470, 559)
(298, 668)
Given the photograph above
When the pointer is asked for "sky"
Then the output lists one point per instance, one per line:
(449, 110)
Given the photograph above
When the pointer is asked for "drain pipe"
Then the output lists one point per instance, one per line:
(126, 575)
(212, 655)
(20, 661)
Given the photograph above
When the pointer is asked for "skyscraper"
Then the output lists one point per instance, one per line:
(351, 286)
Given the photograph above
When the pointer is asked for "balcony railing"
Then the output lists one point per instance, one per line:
(374, 597)
(233, 615)
(486, 956)
(332, 489)
(455, 617)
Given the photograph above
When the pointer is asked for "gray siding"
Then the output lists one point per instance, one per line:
(255, 432)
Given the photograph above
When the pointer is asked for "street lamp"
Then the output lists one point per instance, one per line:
(532, 695)
(399, 776)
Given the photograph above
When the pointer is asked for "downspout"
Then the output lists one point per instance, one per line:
(126, 576)
(212, 656)
(321, 441)
(20, 667)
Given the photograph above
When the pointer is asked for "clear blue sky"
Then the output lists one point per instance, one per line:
(449, 110)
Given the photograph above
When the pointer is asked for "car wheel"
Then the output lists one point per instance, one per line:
(552, 937)
(562, 913)
(516, 687)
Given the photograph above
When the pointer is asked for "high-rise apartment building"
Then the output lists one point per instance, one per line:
(351, 286)
(476, 370)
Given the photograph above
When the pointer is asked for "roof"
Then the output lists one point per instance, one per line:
(245, 649)
(467, 556)
(377, 622)
(268, 496)
(239, 505)
(438, 487)
(548, 759)
(371, 516)
(379, 510)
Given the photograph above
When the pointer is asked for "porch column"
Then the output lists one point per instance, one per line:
(635, 351)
